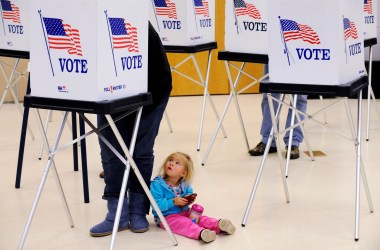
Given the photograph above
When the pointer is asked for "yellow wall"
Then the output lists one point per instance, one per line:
(6, 64)
(218, 83)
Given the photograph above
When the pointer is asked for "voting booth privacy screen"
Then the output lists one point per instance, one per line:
(183, 23)
(370, 19)
(315, 42)
(246, 27)
(88, 50)
(14, 25)
(371, 26)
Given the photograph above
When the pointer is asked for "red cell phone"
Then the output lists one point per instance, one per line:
(190, 198)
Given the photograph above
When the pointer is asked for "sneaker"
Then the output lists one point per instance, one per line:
(226, 226)
(207, 235)
(294, 152)
(260, 148)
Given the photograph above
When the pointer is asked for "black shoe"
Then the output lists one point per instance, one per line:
(294, 152)
(260, 148)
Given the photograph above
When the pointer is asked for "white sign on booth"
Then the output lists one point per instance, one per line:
(246, 26)
(315, 42)
(370, 19)
(88, 50)
(183, 23)
(14, 25)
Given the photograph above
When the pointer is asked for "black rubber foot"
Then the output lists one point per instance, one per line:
(356, 239)
(198, 149)
(286, 177)
(243, 225)
(367, 139)
(203, 164)
(39, 158)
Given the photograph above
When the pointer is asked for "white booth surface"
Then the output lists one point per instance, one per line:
(370, 19)
(246, 26)
(371, 26)
(14, 25)
(315, 42)
(183, 23)
(88, 50)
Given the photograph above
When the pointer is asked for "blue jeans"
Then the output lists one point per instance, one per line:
(142, 155)
(266, 124)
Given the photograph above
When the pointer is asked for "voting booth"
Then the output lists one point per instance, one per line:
(246, 26)
(370, 19)
(88, 50)
(15, 25)
(183, 23)
(307, 49)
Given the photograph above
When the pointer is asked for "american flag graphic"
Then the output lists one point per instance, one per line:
(349, 29)
(165, 8)
(124, 35)
(10, 11)
(293, 31)
(62, 36)
(242, 8)
(201, 8)
(368, 6)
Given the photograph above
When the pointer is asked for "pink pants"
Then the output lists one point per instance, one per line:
(181, 224)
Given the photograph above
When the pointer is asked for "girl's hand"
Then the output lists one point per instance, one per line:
(179, 201)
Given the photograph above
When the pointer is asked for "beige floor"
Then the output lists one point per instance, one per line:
(319, 216)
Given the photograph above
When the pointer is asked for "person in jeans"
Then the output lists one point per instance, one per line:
(266, 126)
(136, 204)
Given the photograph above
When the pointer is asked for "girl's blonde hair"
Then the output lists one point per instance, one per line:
(189, 166)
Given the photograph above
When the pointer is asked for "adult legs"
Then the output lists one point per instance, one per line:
(266, 124)
(136, 204)
(297, 133)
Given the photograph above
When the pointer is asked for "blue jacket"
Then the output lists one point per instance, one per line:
(164, 196)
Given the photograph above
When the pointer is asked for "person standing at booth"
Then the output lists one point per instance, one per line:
(266, 126)
(136, 204)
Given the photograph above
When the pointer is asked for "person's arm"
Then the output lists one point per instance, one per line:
(164, 203)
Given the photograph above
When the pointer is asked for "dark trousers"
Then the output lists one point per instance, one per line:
(143, 153)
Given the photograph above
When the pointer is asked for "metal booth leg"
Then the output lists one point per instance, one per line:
(49, 164)
(86, 194)
(205, 94)
(168, 121)
(358, 157)
(10, 88)
(371, 94)
(24, 128)
(272, 135)
(225, 110)
(295, 114)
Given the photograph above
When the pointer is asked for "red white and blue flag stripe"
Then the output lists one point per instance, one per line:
(242, 8)
(202, 8)
(124, 35)
(165, 8)
(368, 7)
(349, 29)
(10, 11)
(62, 36)
(294, 31)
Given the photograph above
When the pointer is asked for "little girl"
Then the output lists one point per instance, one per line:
(170, 188)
